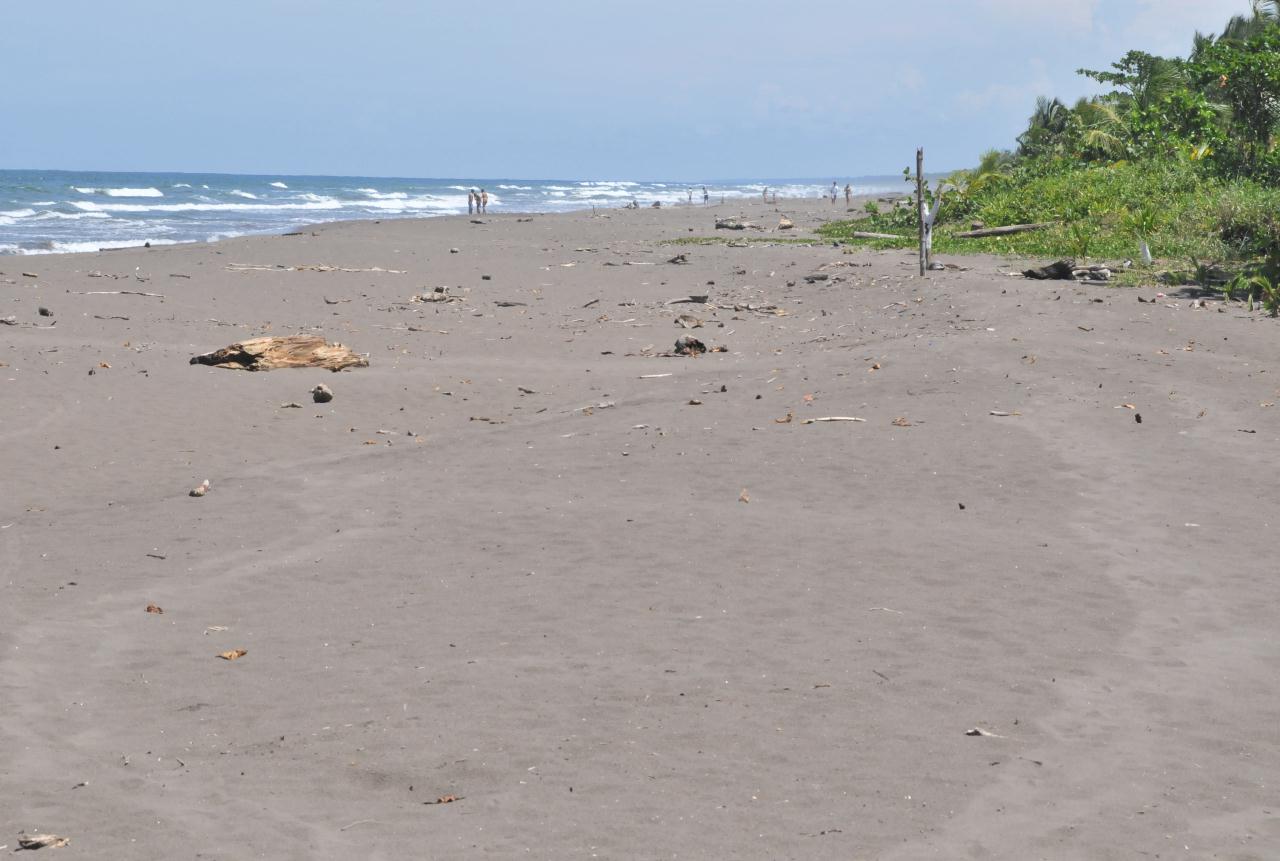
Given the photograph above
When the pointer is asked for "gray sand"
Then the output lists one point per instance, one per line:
(570, 618)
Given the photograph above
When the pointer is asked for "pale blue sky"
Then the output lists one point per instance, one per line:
(580, 89)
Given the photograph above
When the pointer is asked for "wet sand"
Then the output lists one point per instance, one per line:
(627, 605)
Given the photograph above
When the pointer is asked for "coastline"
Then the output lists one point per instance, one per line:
(614, 599)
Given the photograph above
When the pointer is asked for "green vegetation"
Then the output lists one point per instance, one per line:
(1180, 155)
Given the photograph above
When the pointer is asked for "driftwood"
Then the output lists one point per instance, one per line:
(864, 234)
(734, 224)
(1003, 231)
(270, 353)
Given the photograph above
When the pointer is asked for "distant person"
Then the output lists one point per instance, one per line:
(835, 192)
(484, 200)
(691, 197)
(705, 197)
(764, 195)
(848, 196)
(471, 202)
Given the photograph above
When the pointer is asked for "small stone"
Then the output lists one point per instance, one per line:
(44, 312)
(322, 394)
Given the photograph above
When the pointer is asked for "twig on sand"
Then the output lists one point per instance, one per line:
(118, 293)
(357, 822)
(833, 419)
(885, 609)
(312, 267)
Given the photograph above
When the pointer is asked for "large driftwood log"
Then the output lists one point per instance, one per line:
(294, 351)
(1003, 231)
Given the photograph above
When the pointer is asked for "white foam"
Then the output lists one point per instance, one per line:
(278, 185)
(517, 187)
(49, 215)
(238, 193)
(44, 203)
(17, 213)
(84, 247)
(122, 192)
(181, 185)
(383, 195)
(89, 206)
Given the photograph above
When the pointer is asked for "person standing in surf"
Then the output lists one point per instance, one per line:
(484, 200)
(471, 202)
(848, 196)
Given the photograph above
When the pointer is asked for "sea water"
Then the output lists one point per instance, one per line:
(51, 211)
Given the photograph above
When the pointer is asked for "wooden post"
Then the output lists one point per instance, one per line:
(921, 205)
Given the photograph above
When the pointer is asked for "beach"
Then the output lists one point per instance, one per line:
(605, 602)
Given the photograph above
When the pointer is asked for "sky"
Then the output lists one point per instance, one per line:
(552, 89)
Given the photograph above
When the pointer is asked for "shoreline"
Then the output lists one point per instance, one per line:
(609, 597)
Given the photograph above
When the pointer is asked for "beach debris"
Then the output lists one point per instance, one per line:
(688, 321)
(785, 223)
(11, 320)
(679, 259)
(902, 422)
(289, 351)
(454, 251)
(1002, 413)
(1062, 270)
(509, 303)
(439, 294)
(291, 405)
(201, 489)
(744, 496)
(979, 731)
(833, 419)
(117, 293)
(867, 234)
(980, 232)
(1137, 417)
(687, 346)
(322, 394)
(233, 654)
(525, 391)
(152, 608)
(816, 276)
(446, 799)
(734, 224)
(30, 275)
(41, 841)
(309, 267)
(44, 312)
(1092, 273)
(787, 419)
(692, 300)
(653, 376)
(694, 402)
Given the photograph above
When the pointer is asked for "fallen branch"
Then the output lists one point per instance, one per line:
(296, 351)
(314, 267)
(833, 419)
(118, 293)
(863, 234)
(1003, 231)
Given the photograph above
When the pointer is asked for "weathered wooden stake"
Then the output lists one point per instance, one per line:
(921, 205)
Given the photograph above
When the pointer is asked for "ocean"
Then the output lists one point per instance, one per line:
(51, 211)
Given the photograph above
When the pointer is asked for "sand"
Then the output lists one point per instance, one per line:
(616, 602)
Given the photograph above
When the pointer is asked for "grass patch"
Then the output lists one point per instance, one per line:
(1098, 212)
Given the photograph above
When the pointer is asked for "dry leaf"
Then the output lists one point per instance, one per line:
(40, 841)
(152, 608)
(104, 365)
(744, 496)
(786, 420)
(234, 654)
(902, 422)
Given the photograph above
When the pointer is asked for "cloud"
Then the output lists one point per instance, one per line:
(1072, 15)
(1167, 25)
